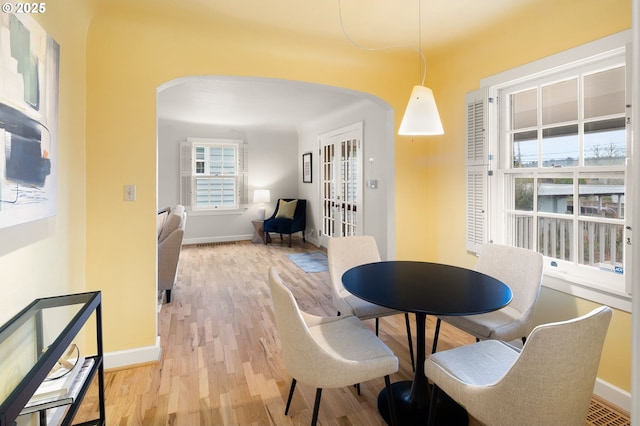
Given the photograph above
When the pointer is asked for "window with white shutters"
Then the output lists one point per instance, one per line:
(213, 174)
(547, 159)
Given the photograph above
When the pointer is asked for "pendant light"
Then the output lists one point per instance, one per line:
(421, 118)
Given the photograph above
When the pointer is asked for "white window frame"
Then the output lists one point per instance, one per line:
(189, 173)
(486, 169)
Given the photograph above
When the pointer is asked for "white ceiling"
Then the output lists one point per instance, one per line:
(249, 102)
(370, 23)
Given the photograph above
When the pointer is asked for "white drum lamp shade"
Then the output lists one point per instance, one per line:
(261, 196)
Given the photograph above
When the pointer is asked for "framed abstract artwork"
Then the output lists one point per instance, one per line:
(28, 120)
(306, 168)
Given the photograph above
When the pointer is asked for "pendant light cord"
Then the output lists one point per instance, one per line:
(423, 59)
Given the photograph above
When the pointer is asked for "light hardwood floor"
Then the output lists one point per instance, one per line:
(221, 363)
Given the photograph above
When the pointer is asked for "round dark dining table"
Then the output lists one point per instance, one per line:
(424, 288)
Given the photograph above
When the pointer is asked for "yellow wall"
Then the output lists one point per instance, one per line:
(129, 57)
(47, 257)
(541, 30)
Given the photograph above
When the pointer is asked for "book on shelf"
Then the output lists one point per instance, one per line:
(37, 403)
(59, 386)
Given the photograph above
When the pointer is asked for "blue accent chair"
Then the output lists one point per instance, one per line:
(282, 225)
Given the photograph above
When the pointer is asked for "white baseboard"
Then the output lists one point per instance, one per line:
(207, 240)
(229, 238)
(131, 357)
(613, 395)
(313, 240)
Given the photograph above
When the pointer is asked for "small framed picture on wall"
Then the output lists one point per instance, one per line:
(306, 168)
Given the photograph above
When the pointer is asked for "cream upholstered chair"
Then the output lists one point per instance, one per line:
(549, 383)
(521, 270)
(344, 253)
(327, 352)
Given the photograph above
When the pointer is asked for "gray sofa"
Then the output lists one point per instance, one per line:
(170, 224)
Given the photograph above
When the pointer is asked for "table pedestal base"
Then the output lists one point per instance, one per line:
(417, 413)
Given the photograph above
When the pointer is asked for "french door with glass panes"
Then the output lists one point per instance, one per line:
(341, 180)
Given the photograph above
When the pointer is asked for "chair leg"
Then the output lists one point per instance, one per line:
(316, 407)
(408, 325)
(267, 238)
(410, 339)
(290, 240)
(392, 406)
(168, 295)
(435, 337)
(433, 405)
(524, 340)
(357, 386)
(293, 386)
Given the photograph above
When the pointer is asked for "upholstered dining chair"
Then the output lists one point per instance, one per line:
(550, 382)
(327, 352)
(343, 253)
(521, 270)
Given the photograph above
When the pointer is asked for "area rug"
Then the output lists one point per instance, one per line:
(315, 261)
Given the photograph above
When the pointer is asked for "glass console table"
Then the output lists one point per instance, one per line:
(32, 343)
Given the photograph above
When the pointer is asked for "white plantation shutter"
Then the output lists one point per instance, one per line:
(476, 207)
(186, 163)
(477, 170)
(475, 131)
(243, 175)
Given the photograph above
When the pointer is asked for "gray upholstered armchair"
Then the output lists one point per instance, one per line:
(170, 224)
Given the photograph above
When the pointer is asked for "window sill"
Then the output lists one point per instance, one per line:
(610, 297)
(217, 212)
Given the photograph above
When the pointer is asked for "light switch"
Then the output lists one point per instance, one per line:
(129, 192)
